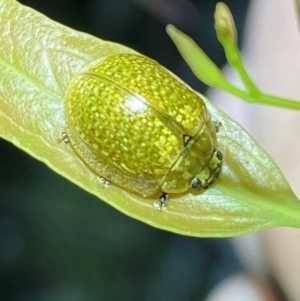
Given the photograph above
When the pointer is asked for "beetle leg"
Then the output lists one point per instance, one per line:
(103, 182)
(162, 202)
(64, 138)
(217, 125)
(215, 166)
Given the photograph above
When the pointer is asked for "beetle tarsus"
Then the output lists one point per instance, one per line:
(103, 182)
(217, 125)
(64, 138)
(162, 202)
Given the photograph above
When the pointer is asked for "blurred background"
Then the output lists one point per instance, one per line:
(57, 242)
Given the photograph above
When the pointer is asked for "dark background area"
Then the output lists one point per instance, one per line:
(58, 242)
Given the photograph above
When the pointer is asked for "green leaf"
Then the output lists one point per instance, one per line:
(37, 59)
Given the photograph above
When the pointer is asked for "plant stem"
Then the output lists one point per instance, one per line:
(235, 60)
(263, 98)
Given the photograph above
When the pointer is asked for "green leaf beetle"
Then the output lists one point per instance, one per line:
(137, 125)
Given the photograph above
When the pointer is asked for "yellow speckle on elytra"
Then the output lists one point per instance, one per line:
(179, 118)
